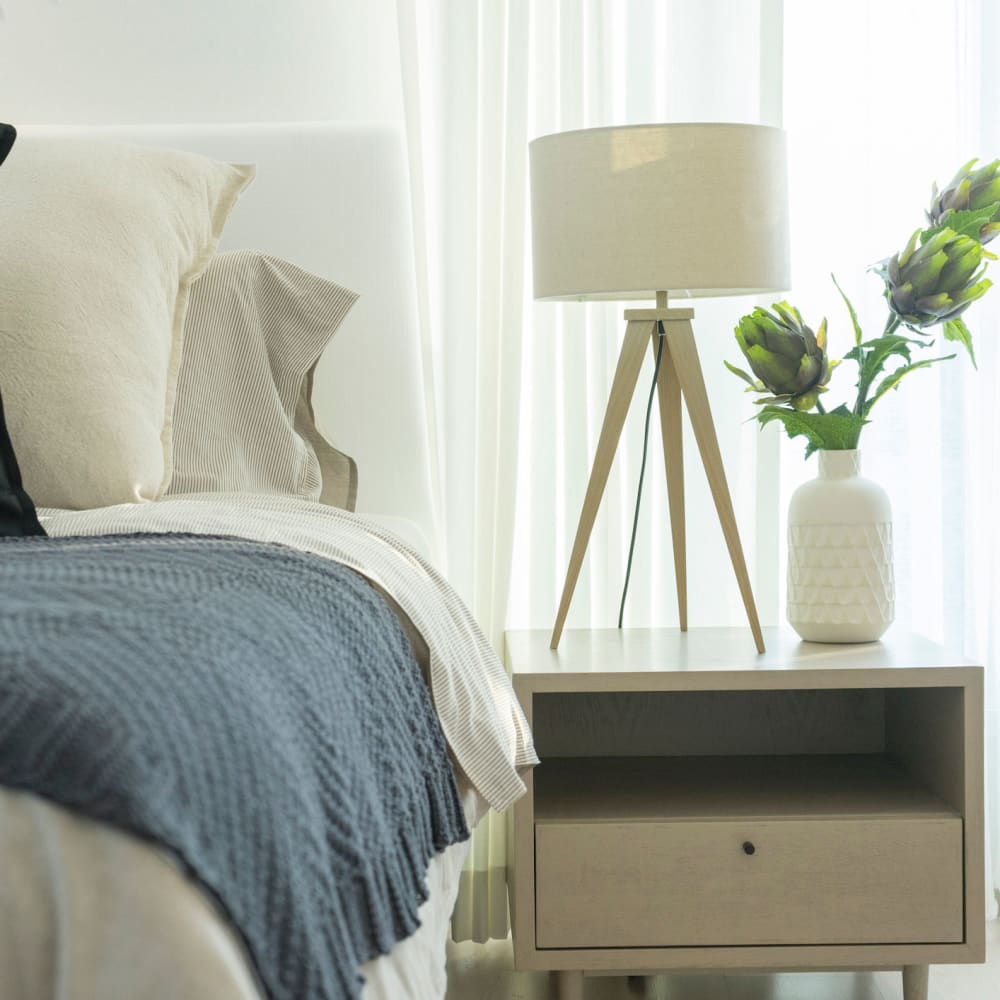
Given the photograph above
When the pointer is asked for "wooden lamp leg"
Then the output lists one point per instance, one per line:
(622, 390)
(680, 376)
(915, 980)
(684, 354)
(668, 391)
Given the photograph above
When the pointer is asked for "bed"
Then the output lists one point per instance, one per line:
(99, 908)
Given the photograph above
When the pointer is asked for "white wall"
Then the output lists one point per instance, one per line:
(128, 61)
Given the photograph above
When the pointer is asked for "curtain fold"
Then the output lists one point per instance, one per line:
(521, 386)
(878, 100)
(463, 67)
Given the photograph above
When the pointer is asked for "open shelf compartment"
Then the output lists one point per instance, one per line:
(603, 789)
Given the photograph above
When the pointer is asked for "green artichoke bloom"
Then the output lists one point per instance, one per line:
(934, 281)
(788, 359)
(969, 190)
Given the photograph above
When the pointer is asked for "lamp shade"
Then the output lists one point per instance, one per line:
(694, 209)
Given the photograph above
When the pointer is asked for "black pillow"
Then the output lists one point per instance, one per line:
(7, 137)
(17, 512)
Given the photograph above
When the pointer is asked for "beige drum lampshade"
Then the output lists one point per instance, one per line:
(693, 209)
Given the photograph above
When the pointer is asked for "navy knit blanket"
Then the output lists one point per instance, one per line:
(255, 710)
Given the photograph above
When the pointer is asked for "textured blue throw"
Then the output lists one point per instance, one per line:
(255, 710)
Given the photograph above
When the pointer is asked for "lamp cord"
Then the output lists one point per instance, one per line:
(642, 467)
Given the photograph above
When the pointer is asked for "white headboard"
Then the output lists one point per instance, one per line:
(334, 199)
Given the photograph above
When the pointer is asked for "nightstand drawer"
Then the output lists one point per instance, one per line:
(749, 882)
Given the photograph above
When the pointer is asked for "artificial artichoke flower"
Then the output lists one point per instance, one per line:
(934, 281)
(788, 359)
(969, 190)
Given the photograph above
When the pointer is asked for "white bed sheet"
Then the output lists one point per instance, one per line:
(91, 913)
(88, 912)
(81, 902)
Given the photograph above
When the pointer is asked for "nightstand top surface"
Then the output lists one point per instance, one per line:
(592, 653)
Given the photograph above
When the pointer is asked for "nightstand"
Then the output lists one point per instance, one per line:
(702, 808)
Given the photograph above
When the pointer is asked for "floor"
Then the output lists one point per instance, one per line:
(485, 972)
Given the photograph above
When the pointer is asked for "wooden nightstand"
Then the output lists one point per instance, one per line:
(699, 807)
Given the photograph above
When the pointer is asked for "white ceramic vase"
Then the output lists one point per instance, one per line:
(840, 580)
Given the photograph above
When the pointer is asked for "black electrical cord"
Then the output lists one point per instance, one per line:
(642, 468)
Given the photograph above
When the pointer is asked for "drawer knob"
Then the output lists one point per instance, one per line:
(748, 847)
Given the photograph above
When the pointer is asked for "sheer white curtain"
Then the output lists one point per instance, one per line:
(466, 112)
(520, 388)
(878, 99)
(881, 99)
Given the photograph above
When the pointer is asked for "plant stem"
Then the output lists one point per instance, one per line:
(859, 405)
(819, 406)
(892, 324)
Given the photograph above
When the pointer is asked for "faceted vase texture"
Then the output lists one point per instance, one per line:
(840, 581)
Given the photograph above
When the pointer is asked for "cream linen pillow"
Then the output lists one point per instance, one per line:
(243, 420)
(99, 242)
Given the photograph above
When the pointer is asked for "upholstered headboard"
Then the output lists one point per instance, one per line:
(334, 198)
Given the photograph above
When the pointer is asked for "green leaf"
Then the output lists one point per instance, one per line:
(966, 223)
(873, 354)
(892, 381)
(850, 309)
(770, 400)
(956, 330)
(837, 430)
(749, 379)
(842, 411)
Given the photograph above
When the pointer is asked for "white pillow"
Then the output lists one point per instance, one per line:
(243, 419)
(99, 242)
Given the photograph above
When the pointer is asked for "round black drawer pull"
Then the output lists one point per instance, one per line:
(748, 847)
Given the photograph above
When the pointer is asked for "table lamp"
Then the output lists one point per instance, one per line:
(643, 212)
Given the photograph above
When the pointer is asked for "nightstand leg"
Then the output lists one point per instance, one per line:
(915, 982)
(569, 985)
